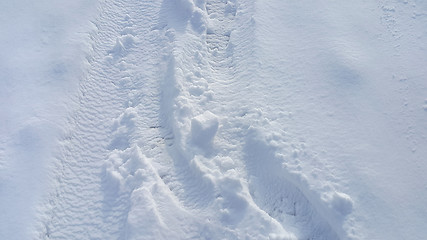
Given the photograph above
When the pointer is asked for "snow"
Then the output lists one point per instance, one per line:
(213, 119)
(203, 129)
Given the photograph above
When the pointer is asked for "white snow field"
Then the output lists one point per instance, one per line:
(213, 119)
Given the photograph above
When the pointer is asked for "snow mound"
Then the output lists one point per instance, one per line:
(341, 203)
(204, 128)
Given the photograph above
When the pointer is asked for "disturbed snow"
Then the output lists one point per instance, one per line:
(213, 120)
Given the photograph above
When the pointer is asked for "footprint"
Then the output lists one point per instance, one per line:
(122, 129)
(277, 195)
(221, 15)
(230, 9)
(198, 21)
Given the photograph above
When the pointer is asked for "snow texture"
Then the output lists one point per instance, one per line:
(213, 119)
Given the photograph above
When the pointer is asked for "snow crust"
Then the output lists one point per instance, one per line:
(213, 119)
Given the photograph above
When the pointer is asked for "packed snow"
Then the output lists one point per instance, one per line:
(213, 119)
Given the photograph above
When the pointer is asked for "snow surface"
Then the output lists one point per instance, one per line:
(222, 119)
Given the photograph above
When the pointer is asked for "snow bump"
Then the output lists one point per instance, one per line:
(340, 202)
(204, 128)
